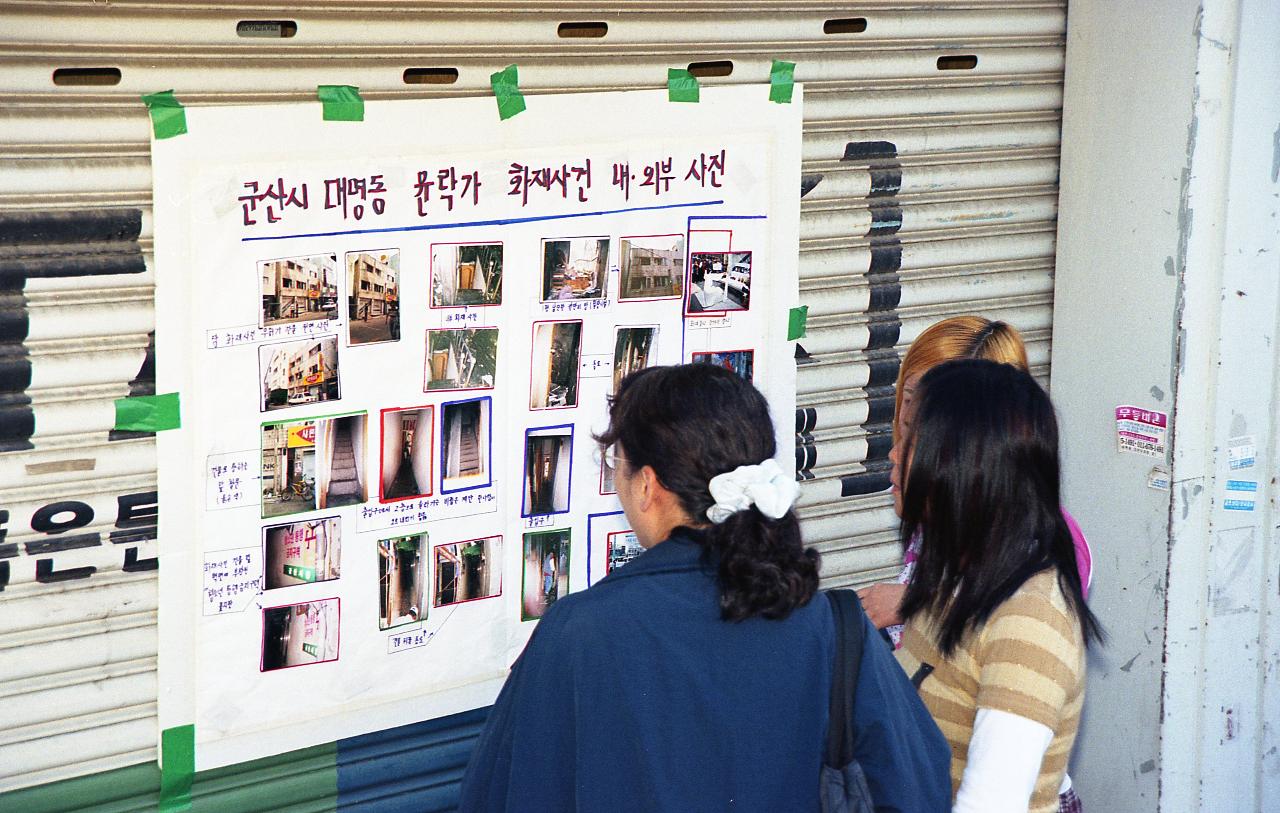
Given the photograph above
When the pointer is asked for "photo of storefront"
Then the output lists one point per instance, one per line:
(299, 372)
(313, 464)
(652, 267)
(299, 289)
(373, 296)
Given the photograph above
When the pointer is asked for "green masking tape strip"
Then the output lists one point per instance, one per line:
(682, 86)
(168, 118)
(796, 323)
(341, 102)
(177, 767)
(148, 413)
(782, 81)
(506, 88)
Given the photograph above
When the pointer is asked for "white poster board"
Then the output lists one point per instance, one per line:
(393, 340)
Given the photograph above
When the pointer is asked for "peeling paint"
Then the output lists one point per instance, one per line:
(1156, 393)
(1239, 425)
(1148, 766)
(1168, 266)
(1200, 35)
(1229, 571)
(1275, 156)
(1129, 664)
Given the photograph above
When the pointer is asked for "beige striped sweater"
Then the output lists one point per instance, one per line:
(1028, 660)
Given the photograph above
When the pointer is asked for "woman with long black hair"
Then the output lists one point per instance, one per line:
(697, 676)
(996, 622)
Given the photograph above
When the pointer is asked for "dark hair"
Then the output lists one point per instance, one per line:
(983, 490)
(694, 421)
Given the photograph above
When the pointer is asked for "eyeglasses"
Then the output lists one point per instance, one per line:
(607, 456)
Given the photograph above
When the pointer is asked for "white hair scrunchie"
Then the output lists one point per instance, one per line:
(766, 486)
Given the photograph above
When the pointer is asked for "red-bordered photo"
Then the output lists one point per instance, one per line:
(463, 358)
(407, 461)
(574, 268)
(620, 547)
(651, 267)
(301, 634)
(466, 275)
(741, 362)
(719, 282)
(301, 552)
(555, 365)
(468, 571)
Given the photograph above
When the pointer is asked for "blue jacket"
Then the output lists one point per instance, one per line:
(636, 696)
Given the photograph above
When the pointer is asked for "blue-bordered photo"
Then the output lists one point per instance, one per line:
(466, 439)
(548, 470)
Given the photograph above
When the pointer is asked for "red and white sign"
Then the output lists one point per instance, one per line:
(1141, 431)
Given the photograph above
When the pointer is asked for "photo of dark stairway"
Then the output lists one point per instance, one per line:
(404, 484)
(464, 444)
(469, 449)
(345, 487)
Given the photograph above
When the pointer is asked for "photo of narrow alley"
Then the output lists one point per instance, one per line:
(468, 571)
(401, 579)
(407, 458)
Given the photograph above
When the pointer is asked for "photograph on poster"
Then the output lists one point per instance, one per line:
(554, 365)
(407, 457)
(299, 372)
(736, 361)
(548, 470)
(373, 296)
(468, 571)
(574, 268)
(546, 571)
(607, 478)
(622, 548)
(633, 347)
(313, 464)
(465, 435)
(466, 274)
(652, 267)
(401, 578)
(301, 552)
(300, 634)
(461, 359)
(719, 281)
(299, 289)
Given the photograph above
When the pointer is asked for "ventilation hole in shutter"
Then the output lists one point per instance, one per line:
(957, 63)
(270, 29)
(86, 76)
(430, 76)
(849, 25)
(703, 70)
(589, 31)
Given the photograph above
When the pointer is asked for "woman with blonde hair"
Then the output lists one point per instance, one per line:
(959, 337)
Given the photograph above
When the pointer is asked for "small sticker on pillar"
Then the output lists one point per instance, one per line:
(1242, 452)
(1241, 495)
(1158, 478)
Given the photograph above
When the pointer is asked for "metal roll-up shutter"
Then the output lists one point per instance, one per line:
(929, 190)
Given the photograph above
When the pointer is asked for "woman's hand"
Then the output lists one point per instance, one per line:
(881, 601)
